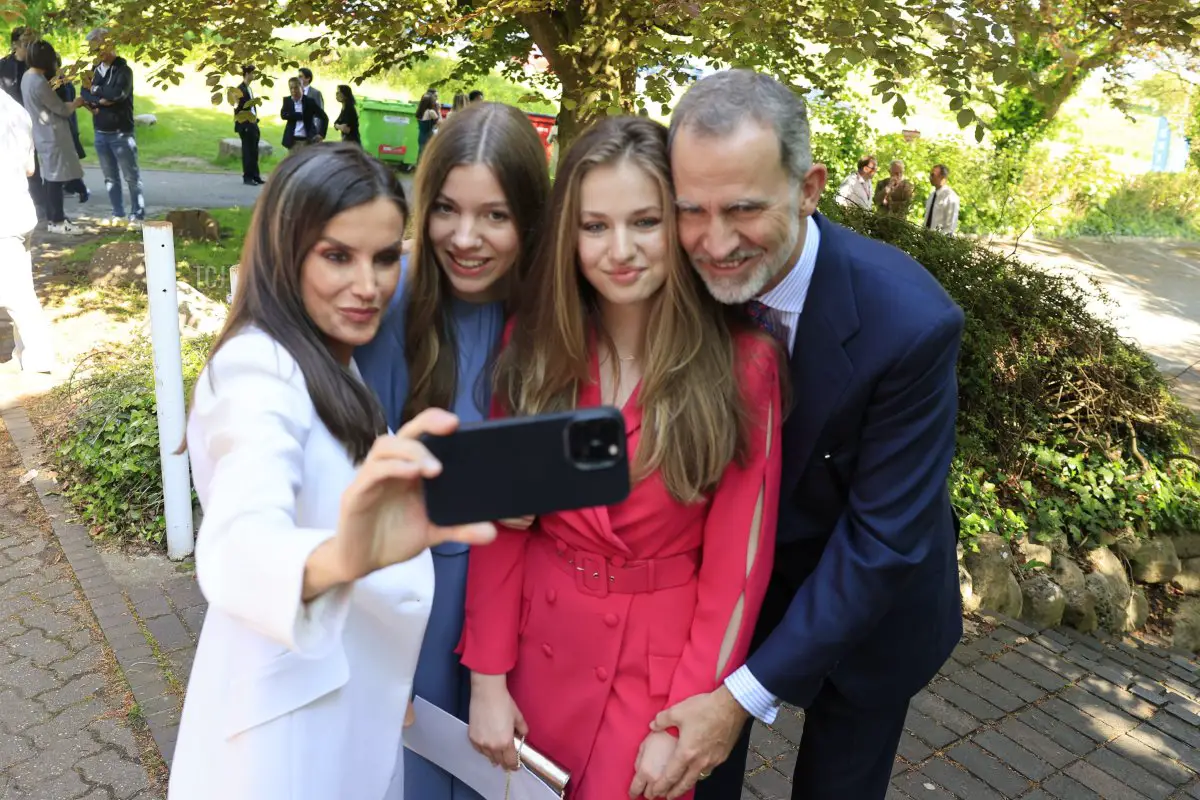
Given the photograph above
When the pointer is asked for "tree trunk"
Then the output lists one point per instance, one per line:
(592, 83)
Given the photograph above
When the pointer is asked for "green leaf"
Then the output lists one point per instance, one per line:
(965, 117)
(979, 131)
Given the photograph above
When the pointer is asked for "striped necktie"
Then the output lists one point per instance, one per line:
(760, 315)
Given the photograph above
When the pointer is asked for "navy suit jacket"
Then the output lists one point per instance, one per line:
(866, 532)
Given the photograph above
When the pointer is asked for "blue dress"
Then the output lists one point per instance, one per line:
(440, 678)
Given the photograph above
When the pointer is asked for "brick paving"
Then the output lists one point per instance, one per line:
(1015, 712)
(65, 728)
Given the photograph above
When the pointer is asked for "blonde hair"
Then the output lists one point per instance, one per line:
(693, 415)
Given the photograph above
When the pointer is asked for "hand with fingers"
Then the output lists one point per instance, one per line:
(652, 759)
(709, 726)
(382, 519)
(495, 720)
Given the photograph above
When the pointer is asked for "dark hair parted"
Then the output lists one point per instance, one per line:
(694, 419)
(307, 190)
(41, 55)
(503, 139)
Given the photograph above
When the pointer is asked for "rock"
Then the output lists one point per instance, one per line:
(197, 313)
(145, 119)
(1187, 545)
(1155, 561)
(118, 264)
(1079, 610)
(195, 224)
(1110, 589)
(970, 600)
(1139, 608)
(232, 148)
(1187, 627)
(1043, 602)
(991, 575)
(1031, 551)
(1188, 578)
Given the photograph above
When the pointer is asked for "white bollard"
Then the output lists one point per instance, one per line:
(233, 276)
(159, 243)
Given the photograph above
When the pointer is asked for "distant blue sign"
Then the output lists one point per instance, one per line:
(1162, 147)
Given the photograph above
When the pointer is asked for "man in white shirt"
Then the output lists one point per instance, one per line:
(856, 189)
(941, 207)
(863, 605)
(310, 91)
(18, 218)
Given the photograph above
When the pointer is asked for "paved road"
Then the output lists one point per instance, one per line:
(64, 731)
(167, 190)
(1156, 289)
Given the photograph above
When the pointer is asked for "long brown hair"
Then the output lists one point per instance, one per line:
(693, 414)
(307, 190)
(503, 139)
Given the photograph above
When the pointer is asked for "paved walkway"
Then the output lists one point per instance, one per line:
(1015, 713)
(65, 713)
(166, 190)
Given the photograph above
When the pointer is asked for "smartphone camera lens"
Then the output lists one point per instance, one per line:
(594, 443)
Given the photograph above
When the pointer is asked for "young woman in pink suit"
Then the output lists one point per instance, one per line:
(582, 628)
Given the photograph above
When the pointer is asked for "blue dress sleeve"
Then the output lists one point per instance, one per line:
(382, 363)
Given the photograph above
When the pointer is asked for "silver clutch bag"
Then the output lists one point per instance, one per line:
(542, 767)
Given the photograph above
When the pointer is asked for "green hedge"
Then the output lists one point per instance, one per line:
(1066, 432)
(107, 453)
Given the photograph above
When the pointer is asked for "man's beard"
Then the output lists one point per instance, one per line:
(737, 289)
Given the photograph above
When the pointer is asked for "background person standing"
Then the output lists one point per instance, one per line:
(51, 134)
(310, 91)
(110, 98)
(247, 129)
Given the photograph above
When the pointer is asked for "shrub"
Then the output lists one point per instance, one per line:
(1064, 429)
(107, 455)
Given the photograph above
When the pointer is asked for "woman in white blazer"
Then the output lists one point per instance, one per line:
(313, 551)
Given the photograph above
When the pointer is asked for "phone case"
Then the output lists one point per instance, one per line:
(520, 466)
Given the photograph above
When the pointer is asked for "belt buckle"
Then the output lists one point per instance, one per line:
(591, 575)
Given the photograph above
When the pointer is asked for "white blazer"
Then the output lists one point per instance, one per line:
(945, 213)
(287, 700)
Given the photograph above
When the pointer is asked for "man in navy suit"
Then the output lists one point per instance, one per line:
(863, 606)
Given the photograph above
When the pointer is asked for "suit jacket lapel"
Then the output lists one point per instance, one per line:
(820, 367)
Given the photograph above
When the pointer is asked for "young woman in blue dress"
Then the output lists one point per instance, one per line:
(480, 192)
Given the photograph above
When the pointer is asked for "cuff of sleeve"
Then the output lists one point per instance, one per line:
(758, 702)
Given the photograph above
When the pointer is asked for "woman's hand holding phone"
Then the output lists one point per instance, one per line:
(382, 520)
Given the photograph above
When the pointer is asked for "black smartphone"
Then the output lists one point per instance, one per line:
(523, 466)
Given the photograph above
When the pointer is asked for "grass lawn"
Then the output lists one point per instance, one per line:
(186, 137)
(204, 265)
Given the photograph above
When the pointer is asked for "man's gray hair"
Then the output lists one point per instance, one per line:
(98, 35)
(719, 103)
(896, 163)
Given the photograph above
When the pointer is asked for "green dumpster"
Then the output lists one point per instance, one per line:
(389, 130)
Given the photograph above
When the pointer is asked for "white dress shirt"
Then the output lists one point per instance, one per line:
(784, 304)
(299, 131)
(854, 191)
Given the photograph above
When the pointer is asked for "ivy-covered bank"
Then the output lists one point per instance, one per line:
(1067, 434)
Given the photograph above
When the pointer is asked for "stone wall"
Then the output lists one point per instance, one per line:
(1101, 588)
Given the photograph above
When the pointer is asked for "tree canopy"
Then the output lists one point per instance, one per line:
(979, 52)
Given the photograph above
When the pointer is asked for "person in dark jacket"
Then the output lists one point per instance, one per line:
(347, 121)
(13, 66)
(245, 123)
(110, 99)
(306, 121)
